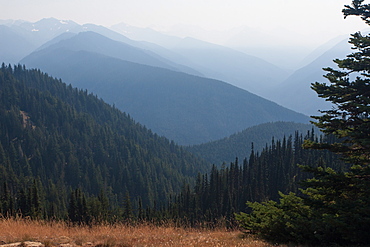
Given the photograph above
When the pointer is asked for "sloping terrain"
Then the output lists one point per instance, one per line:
(185, 108)
(55, 139)
(295, 92)
(14, 46)
(240, 145)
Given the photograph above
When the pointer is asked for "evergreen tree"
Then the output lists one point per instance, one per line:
(104, 207)
(6, 203)
(140, 213)
(335, 208)
(64, 138)
(128, 213)
(35, 200)
(343, 198)
(78, 211)
(72, 208)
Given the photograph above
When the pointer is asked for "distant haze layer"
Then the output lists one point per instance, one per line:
(312, 21)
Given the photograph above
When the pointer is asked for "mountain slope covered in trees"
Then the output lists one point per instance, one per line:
(55, 139)
(242, 143)
(224, 191)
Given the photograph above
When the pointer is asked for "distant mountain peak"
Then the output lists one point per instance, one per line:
(52, 20)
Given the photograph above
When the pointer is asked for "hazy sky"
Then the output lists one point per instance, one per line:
(314, 18)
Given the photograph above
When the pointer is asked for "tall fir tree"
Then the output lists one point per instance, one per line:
(335, 208)
(343, 198)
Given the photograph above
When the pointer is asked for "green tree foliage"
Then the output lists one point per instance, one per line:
(336, 203)
(343, 199)
(239, 144)
(221, 193)
(7, 203)
(128, 214)
(55, 139)
(283, 221)
(78, 211)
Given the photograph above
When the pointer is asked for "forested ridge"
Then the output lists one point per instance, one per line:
(66, 154)
(257, 178)
(240, 144)
(58, 143)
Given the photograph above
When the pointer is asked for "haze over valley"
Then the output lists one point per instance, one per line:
(172, 120)
(107, 62)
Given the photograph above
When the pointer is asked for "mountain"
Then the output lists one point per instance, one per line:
(48, 28)
(146, 34)
(320, 50)
(36, 33)
(94, 42)
(20, 38)
(56, 139)
(237, 68)
(157, 42)
(185, 108)
(14, 45)
(278, 46)
(49, 31)
(214, 61)
(240, 144)
(295, 92)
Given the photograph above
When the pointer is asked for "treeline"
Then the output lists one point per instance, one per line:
(55, 139)
(213, 200)
(226, 149)
(65, 154)
(225, 191)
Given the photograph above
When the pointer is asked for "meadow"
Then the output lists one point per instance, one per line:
(62, 234)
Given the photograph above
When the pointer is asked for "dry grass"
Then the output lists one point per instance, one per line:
(59, 233)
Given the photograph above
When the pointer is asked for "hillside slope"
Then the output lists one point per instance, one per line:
(14, 45)
(296, 93)
(241, 69)
(95, 42)
(57, 138)
(240, 144)
(237, 68)
(185, 108)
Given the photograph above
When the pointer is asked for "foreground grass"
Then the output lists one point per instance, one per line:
(59, 234)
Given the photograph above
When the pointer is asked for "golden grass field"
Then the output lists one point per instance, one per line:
(60, 234)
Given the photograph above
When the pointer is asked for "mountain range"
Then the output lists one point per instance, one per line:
(139, 78)
(240, 69)
(67, 155)
(289, 88)
(186, 108)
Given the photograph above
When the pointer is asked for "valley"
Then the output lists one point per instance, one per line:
(131, 136)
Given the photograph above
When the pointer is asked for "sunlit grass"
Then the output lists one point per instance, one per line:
(59, 233)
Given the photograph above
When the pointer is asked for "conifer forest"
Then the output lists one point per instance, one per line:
(67, 155)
